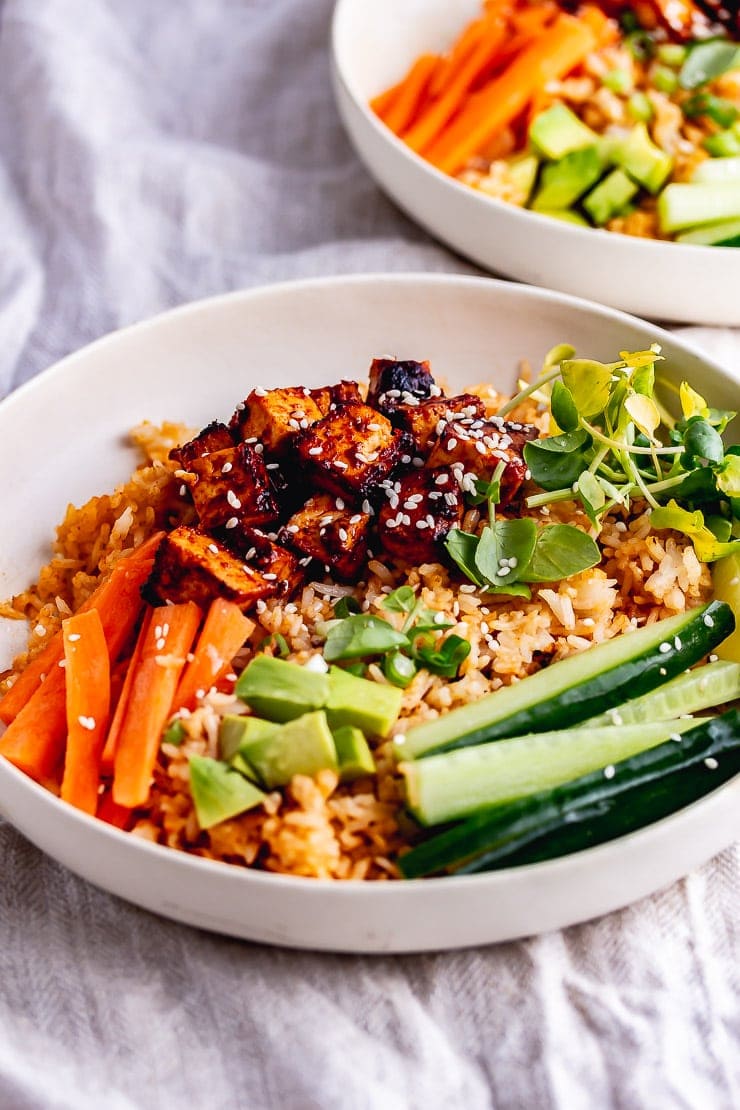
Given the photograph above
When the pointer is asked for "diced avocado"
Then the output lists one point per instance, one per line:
(638, 156)
(279, 690)
(218, 792)
(567, 215)
(303, 746)
(353, 753)
(239, 763)
(523, 174)
(370, 706)
(563, 182)
(235, 731)
(724, 233)
(610, 197)
(558, 131)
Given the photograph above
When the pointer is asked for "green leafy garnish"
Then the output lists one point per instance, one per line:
(399, 669)
(504, 547)
(174, 733)
(359, 635)
(708, 60)
(346, 606)
(619, 443)
(444, 659)
(560, 552)
(279, 645)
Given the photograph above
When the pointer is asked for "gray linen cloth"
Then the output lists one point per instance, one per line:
(156, 151)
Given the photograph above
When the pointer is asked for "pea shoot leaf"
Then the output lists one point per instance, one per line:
(360, 635)
(563, 407)
(504, 550)
(589, 384)
(692, 524)
(562, 550)
(461, 547)
(556, 461)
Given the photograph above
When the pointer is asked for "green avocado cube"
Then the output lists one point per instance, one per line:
(218, 792)
(353, 753)
(558, 131)
(370, 706)
(303, 746)
(639, 157)
(567, 215)
(235, 731)
(610, 197)
(523, 173)
(563, 182)
(281, 691)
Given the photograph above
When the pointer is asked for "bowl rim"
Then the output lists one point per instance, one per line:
(600, 854)
(645, 250)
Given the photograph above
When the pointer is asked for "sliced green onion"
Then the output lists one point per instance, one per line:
(399, 669)
(618, 81)
(345, 606)
(640, 107)
(278, 643)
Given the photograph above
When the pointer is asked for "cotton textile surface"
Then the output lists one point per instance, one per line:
(157, 151)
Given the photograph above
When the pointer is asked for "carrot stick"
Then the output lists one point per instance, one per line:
(458, 56)
(34, 740)
(605, 29)
(169, 638)
(108, 811)
(87, 683)
(118, 591)
(382, 102)
(114, 732)
(432, 122)
(404, 108)
(224, 631)
(550, 56)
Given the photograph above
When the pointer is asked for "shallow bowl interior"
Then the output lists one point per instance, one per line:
(195, 364)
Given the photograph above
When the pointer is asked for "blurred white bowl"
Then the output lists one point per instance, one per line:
(373, 44)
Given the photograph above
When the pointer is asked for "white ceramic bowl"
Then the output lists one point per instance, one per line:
(373, 45)
(193, 364)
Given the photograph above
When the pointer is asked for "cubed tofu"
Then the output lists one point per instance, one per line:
(214, 437)
(350, 450)
(273, 561)
(475, 447)
(339, 394)
(421, 509)
(191, 566)
(333, 533)
(392, 383)
(425, 420)
(274, 417)
(232, 487)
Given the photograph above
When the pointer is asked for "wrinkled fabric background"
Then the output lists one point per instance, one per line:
(156, 151)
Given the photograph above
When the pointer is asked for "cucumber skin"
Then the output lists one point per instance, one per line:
(587, 811)
(621, 683)
(687, 693)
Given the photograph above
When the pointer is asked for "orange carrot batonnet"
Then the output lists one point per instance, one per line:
(112, 814)
(115, 593)
(458, 56)
(225, 630)
(111, 742)
(409, 98)
(433, 121)
(87, 686)
(170, 636)
(34, 740)
(549, 57)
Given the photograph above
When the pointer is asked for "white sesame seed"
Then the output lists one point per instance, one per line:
(315, 450)
(664, 648)
(713, 658)
(342, 533)
(339, 503)
(663, 671)
(260, 392)
(161, 643)
(259, 448)
(341, 464)
(711, 763)
(367, 507)
(609, 771)
(213, 549)
(87, 723)
(269, 577)
(233, 499)
(421, 524)
(73, 637)
(417, 462)
(441, 479)
(227, 468)
(231, 522)
(405, 460)
(183, 490)
(708, 621)
(677, 642)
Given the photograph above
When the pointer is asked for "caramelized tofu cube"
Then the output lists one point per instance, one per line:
(340, 394)
(214, 437)
(350, 450)
(232, 487)
(413, 522)
(331, 532)
(426, 420)
(191, 566)
(274, 417)
(273, 561)
(393, 383)
(476, 447)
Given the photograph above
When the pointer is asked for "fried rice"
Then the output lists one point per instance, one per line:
(319, 827)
